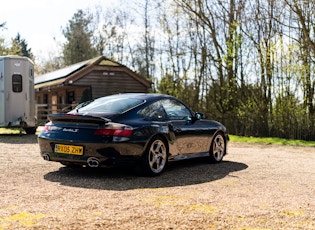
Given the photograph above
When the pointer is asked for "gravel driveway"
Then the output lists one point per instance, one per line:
(255, 187)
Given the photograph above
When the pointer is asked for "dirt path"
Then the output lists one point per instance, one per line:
(256, 187)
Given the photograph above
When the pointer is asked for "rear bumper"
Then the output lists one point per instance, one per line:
(107, 154)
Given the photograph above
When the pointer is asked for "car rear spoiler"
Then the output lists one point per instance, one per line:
(75, 118)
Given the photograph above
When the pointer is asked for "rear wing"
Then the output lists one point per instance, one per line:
(75, 118)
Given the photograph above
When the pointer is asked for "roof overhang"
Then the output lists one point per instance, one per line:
(50, 84)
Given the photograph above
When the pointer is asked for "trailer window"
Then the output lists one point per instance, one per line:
(17, 83)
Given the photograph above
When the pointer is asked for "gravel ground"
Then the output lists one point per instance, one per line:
(255, 187)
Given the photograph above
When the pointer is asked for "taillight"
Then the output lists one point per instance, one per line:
(46, 128)
(113, 132)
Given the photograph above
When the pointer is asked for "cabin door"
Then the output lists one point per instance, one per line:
(54, 102)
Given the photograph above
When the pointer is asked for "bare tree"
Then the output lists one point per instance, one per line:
(217, 27)
(303, 24)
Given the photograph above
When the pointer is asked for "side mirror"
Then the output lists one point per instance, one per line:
(199, 116)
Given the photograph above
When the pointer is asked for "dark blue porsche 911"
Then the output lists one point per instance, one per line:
(147, 129)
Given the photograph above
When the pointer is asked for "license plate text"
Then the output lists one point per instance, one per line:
(69, 149)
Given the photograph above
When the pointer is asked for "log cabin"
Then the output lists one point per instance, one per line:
(61, 90)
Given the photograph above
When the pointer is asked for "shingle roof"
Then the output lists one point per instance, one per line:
(67, 71)
(61, 73)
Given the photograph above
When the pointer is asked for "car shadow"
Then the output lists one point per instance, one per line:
(183, 173)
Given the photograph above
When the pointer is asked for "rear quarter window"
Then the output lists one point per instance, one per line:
(154, 112)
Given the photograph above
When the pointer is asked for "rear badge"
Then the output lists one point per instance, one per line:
(70, 130)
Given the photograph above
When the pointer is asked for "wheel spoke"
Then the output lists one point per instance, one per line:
(157, 148)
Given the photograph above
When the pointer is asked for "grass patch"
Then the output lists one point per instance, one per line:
(271, 141)
(9, 131)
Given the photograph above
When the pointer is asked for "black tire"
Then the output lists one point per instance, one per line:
(30, 130)
(154, 160)
(217, 149)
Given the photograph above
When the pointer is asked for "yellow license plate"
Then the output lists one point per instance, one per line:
(69, 149)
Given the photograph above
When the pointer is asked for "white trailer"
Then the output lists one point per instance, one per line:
(17, 93)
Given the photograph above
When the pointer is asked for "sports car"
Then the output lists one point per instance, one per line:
(143, 130)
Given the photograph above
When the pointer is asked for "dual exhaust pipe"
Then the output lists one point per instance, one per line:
(46, 157)
(92, 162)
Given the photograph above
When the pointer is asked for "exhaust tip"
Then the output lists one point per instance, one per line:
(93, 162)
(46, 157)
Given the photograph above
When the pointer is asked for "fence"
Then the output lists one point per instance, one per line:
(43, 110)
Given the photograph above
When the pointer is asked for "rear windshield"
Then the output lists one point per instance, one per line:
(108, 105)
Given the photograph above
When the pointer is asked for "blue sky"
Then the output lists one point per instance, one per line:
(39, 21)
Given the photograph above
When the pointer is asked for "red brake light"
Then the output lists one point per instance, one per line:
(46, 128)
(114, 132)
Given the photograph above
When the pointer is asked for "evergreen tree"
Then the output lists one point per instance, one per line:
(20, 47)
(78, 34)
(3, 49)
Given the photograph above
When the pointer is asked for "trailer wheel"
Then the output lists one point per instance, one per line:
(30, 130)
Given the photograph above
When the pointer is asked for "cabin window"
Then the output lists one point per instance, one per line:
(70, 97)
(17, 83)
(45, 101)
